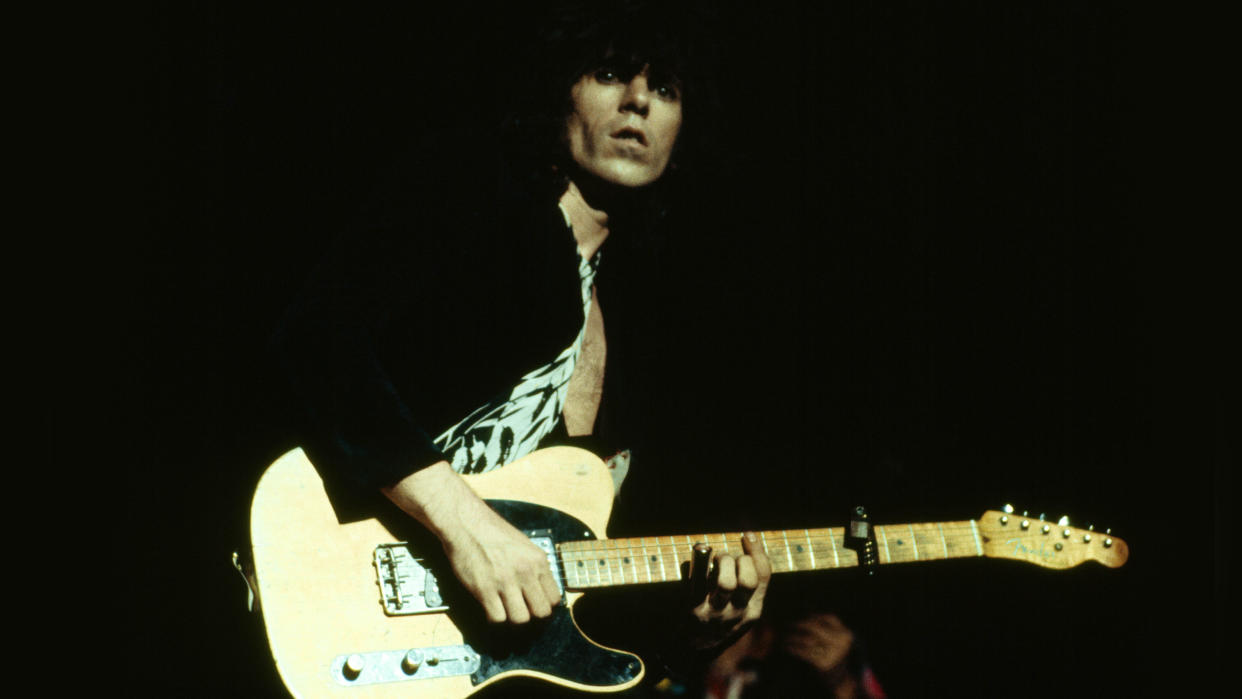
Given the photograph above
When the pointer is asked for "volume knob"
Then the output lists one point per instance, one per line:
(411, 662)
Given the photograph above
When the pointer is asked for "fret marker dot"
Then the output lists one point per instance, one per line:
(601, 561)
(799, 547)
(899, 542)
(653, 558)
(579, 564)
(626, 560)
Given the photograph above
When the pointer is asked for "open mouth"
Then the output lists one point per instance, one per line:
(631, 134)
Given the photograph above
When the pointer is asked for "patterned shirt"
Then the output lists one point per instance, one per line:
(511, 426)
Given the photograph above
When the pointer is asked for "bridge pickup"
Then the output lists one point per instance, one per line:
(405, 585)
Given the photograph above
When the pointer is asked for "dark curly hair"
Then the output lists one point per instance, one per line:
(674, 38)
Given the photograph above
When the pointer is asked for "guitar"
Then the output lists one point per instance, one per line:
(352, 610)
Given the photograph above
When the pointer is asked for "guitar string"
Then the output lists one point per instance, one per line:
(965, 544)
(965, 531)
(963, 534)
(613, 555)
(963, 537)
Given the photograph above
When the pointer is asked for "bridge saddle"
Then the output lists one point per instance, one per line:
(405, 585)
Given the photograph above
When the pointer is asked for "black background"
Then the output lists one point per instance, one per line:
(938, 277)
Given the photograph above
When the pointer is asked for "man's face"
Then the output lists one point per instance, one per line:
(622, 127)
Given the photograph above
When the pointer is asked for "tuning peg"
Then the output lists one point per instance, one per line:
(1063, 522)
(1026, 513)
(1108, 540)
(1041, 516)
(1008, 509)
(1090, 527)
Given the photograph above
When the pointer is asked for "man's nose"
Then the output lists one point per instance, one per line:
(637, 96)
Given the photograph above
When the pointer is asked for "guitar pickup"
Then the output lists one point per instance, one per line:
(406, 586)
(543, 539)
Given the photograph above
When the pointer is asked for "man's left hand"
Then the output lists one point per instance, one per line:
(733, 592)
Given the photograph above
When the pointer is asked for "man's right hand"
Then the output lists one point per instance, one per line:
(500, 566)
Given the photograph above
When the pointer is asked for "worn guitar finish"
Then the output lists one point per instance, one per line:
(322, 599)
(317, 584)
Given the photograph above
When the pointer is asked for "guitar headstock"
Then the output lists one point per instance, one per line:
(1046, 543)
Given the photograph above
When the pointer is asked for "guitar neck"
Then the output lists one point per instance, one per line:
(609, 562)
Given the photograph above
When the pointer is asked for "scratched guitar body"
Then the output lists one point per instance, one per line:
(320, 598)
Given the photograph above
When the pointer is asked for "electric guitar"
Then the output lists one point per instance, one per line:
(353, 610)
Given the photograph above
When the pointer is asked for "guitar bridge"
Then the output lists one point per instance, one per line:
(406, 587)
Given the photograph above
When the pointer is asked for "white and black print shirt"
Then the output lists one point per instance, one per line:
(502, 431)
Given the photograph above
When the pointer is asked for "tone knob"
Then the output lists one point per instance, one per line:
(411, 662)
(353, 665)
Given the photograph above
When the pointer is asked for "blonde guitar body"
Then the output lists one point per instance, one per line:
(367, 610)
(317, 584)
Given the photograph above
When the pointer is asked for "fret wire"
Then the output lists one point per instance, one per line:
(603, 563)
(913, 541)
(663, 573)
(646, 560)
(560, 557)
(810, 548)
(963, 532)
(616, 558)
(610, 550)
(587, 570)
(584, 573)
(788, 553)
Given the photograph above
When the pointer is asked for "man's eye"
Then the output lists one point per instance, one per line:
(605, 75)
(667, 92)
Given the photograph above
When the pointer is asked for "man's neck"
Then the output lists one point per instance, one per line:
(590, 224)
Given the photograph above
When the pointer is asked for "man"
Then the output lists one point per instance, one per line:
(380, 346)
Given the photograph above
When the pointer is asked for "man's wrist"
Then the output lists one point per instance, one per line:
(433, 495)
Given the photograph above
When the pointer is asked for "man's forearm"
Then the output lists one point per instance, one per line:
(498, 564)
(435, 496)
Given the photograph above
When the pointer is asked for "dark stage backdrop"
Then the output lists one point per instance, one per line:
(926, 266)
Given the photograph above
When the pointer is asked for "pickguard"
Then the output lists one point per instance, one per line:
(553, 646)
